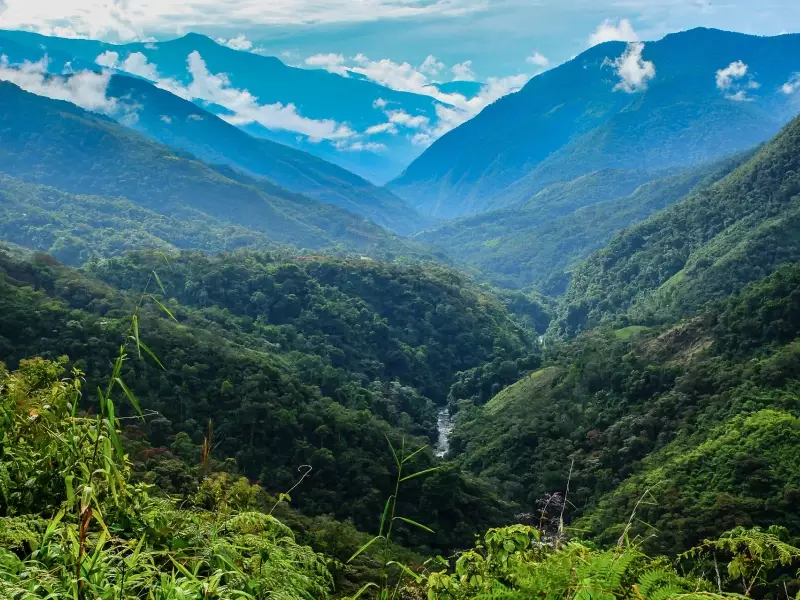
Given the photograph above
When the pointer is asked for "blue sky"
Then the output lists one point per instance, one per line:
(487, 38)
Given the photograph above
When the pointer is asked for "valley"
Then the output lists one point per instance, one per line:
(554, 353)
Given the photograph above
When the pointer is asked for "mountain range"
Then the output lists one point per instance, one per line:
(326, 114)
(690, 97)
(57, 144)
(573, 324)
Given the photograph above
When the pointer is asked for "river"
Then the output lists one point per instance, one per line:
(444, 423)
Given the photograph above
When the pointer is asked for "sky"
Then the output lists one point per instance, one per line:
(465, 39)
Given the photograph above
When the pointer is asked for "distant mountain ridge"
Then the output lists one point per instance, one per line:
(57, 144)
(178, 123)
(353, 102)
(571, 121)
(182, 124)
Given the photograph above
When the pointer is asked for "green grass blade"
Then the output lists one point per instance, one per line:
(405, 570)
(391, 447)
(425, 472)
(135, 327)
(412, 522)
(385, 513)
(151, 355)
(413, 454)
(164, 308)
(131, 398)
(364, 547)
(160, 285)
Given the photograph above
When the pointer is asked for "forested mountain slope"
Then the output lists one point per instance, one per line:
(77, 228)
(538, 243)
(705, 247)
(57, 144)
(577, 119)
(702, 414)
(295, 362)
(181, 124)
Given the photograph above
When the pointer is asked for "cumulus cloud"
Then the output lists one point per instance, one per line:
(86, 89)
(725, 77)
(735, 80)
(239, 42)
(135, 63)
(633, 71)
(389, 127)
(613, 31)
(380, 103)
(539, 60)
(432, 66)
(791, 86)
(400, 117)
(166, 119)
(330, 62)
(463, 71)
(216, 88)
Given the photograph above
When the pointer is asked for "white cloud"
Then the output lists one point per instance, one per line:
(86, 89)
(431, 66)
(136, 63)
(735, 80)
(422, 139)
(740, 96)
(330, 62)
(400, 117)
(379, 103)
(166, 119)
(538, 59)
(791, 86)
(126, 20)
(610, 31)
(725, 77)
(245, 108)
(358, 146)
(239, 42)
(390, 128)
(633, 71)
(463, 71)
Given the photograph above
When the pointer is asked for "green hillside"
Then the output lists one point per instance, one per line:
(705, 247)
(540, 242)
(703, 414)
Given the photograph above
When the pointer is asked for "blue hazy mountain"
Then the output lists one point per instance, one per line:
(58, 144)
(181, 124)
(317, 94)
(187, 126)
(571, 121)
